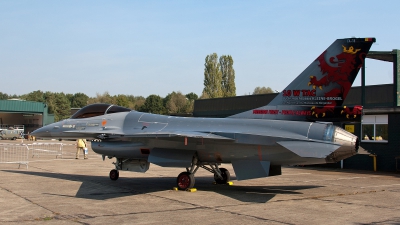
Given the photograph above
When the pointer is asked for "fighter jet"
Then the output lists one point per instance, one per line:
(288, 131)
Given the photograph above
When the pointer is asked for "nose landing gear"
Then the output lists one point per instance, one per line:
(114, 174)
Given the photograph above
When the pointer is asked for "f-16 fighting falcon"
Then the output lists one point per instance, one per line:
(293, 129)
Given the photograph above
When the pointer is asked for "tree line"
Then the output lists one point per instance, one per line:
(60, 104)
(219, 81)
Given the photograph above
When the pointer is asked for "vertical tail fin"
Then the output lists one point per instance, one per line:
(319, 91)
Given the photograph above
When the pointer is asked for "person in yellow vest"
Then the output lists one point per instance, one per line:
(80, 145)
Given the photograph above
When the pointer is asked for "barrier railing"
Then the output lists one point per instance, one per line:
(16, 154)
(46, 149)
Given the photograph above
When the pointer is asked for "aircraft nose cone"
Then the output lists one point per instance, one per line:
(41, 132)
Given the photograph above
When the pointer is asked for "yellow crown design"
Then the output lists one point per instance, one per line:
(350, 50)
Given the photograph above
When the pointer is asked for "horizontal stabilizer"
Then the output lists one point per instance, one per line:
(309, 149)
(362, 151)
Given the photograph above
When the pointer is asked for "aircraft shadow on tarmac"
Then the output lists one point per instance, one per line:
(102, 188)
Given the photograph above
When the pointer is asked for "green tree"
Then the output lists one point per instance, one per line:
(35, 96)
(192, 96)
(78, 100)
(14, 96)
(212, 77)
(131, 101)
(49, 99)
(139, 102)
(167, 99)
(58, 104)
(70, 98)
(3, 96)
(204, 96)
(153, 104)
(62, 109)
(101, 98)
(122, 100)
(262, 90)
(135, 102)
(228, 76)
(177, 103)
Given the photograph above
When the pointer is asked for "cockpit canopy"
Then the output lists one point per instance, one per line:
(98, 110)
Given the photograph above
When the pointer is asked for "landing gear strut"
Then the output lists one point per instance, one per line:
(114, 174)
(226, 176)
(185, 180)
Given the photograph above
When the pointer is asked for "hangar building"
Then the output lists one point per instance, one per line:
(31, 115)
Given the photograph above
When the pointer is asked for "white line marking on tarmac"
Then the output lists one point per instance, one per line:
(342, 178)
(384, 185)
(291, 174)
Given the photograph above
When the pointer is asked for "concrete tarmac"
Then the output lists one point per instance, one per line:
(70, 191)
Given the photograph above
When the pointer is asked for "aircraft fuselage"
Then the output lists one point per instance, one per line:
(135, 134)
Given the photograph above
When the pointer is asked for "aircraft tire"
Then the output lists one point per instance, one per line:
(114, 174)
(225, 175)
(185, 180)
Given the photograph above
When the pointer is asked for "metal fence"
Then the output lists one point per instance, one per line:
(17, 154)
(46, 149)
(20, 153)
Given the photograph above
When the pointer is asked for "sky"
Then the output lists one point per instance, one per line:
(156, 47)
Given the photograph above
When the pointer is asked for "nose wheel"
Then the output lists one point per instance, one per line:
(114, 174)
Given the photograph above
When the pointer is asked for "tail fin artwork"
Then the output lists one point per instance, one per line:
(317, 94)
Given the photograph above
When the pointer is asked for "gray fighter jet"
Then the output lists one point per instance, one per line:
(288, 131)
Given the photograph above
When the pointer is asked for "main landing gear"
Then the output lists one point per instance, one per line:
(185, 180)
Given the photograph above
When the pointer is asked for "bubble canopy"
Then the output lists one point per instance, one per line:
(98, 110)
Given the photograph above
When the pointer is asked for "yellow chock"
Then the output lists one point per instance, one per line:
(230, 183)
(191, 190)
(175, 188)
(214, 183)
